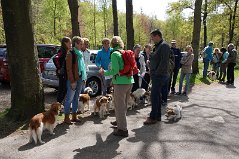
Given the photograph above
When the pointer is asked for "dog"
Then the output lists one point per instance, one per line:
(140, 92)
(41, 121)
(174, 112)
(84, 100)
(101, 106)
(131, 102)
(110, 105)
(212, 75)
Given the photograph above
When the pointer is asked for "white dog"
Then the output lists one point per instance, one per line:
(212, 75)
(140, 92)
(174, 112)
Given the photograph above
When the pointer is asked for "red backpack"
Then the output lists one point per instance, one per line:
(130, 66)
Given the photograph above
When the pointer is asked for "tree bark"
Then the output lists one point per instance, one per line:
(129, 24)
(115, 17)
(205, 23)
(73, 6)
(104, 17)
(196, 34)
(232, 22)
(27, 98)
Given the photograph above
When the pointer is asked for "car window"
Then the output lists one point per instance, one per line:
(92, 57)
(47, 51)
(3, 52)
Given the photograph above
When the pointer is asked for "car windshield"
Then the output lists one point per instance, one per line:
(47, 51)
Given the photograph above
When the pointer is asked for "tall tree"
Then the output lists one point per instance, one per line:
(205, 23)
(73, 6)
(115, 17)
(196, 34)
(27, 96)
(129, 24)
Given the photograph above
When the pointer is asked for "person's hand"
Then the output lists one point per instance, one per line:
(84, 81)
(101, 71)
(73, 86)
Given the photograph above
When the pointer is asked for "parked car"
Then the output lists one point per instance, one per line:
(50, 79)
(45, 52)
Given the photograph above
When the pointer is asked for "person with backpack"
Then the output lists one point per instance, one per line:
(122, 79)
(60, 63)
(231, 63)
(159, 73)
(216, 61)
(207, 57)
(103, 61)
(223, 66)
(173, 76)
(76, 74)
(146, 78)
(140, 65)
(186, 70)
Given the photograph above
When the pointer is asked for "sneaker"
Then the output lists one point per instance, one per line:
(122, 133)
(114, 123)
(150, 121)
(172, 92)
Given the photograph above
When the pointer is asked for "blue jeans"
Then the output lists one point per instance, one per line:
(182, 75)
(157, 84)
(205, 68)
(106, 84)
(72, 96)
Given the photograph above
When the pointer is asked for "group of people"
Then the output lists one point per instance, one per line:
(158, 64)
(223, 62)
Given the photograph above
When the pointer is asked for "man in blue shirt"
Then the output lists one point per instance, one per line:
(103, 61)
(207, 57)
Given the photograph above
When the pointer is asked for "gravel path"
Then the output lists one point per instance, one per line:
(208, 130)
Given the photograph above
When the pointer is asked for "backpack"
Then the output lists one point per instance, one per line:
(130, 66)
(171, 61)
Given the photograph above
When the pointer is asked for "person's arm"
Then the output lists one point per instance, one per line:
(69, 67)
(143, 66)
(98, 59)
(115, 67)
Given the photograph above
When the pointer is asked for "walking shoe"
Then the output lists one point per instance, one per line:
(172, 92)
(150, 121)
(114, 123)
(122, 133)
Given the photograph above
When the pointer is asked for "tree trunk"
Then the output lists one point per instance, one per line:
(205, 24)
(104, 18)
(129, 24)
(73, 6)
(115, 17)
(27, 98)
(196, 34)
(94, 25)
(232, 22)
(54, 19)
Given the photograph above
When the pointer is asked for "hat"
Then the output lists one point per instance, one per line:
(173, 42)
(210, 43)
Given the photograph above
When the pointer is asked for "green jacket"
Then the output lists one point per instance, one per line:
(117, 64)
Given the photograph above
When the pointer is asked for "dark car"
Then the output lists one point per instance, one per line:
(50, 79)
(45, 52)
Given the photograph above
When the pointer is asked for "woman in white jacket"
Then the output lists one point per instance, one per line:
(141, 66)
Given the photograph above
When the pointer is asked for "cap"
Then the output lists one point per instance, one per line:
(210, 43)
(173, 42)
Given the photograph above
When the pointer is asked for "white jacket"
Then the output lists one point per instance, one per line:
(86, 56)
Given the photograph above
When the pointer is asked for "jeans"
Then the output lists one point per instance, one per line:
(165, 91)
(173, 76)
(182, 75)
(230, 73)
(205, 68)
(223, 72)
(72, 96)
(106, 84)
(157, 84)
(136, 83)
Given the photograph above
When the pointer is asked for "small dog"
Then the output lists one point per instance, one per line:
(131, 102)
(84, 100)
(101, 106)
(212, 75)
(174, 112)
(140, 92)
(41, 121)
(110, 105)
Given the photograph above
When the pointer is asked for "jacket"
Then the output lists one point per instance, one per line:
(178, 56)
(224, 57)
(159, 60)
(86, 56)
(103, 58)
(207, 53)
(117, 64)
(142, 68)
(232, 57)
(72, 67)
(187, 61)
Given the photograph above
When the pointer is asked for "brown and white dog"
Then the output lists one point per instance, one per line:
(41, 121)
(101, 105)
(212, 75)
(110, 105)
(174, 112)
(84, 100)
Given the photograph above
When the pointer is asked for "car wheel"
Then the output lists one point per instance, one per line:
(95, 85)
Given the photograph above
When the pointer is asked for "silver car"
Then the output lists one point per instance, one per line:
(94, 79)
